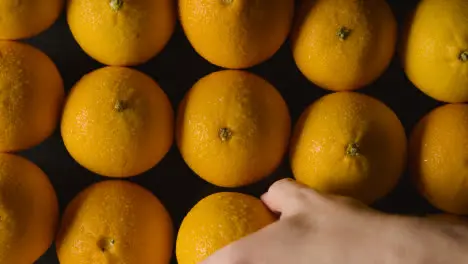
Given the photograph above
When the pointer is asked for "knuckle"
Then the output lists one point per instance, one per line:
(301, 223)
(280, 184)
(304, 195)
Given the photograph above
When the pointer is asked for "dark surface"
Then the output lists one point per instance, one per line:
(176, 69)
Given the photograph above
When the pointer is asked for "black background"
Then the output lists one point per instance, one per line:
(176, 69)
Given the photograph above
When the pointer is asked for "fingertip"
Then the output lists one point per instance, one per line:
(278, 186)
(266, 199)
(283, 186)
(280, 195)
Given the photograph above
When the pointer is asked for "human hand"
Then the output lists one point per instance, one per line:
(324, 229)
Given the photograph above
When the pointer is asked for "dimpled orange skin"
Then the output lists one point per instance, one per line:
(343, 45)
(233, 128)
(435, 53)
(216, 221)
(117, 122)
(27, 18)
(438, 158)
(115, 222)
(236, 34)
(31, 96)
(349, 144)
(28, 211)
(122, 32)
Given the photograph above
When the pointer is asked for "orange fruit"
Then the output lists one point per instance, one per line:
(31, 96)
(236, 33)
(216, 221)
(117, 122)
(349, 144)
(438, 158)
(233, 128)
(28, 211)
(27, 18)
(435, 53)
(122, 32)
(343, 45)
(115, 222)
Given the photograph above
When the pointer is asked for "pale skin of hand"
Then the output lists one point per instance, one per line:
(324, 229)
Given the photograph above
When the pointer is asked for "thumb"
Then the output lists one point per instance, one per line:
(287, 197)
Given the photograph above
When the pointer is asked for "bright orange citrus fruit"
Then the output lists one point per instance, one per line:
(439, 157)
(435, 49)
(117, 122)
(349, 144)
(27, 18)
(216, 221)
(31, 96)
(115, 222)
(236, 33)
(233, 128)
(28, 211)
(122, 32)
(344, 44)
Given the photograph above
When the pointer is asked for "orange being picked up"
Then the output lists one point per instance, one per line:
(233, 128)
(28, 211)
(115, 222)
(349, 144)
(435, 49)
(122, 32)
(117, 122)
(216, 221)
(31, 96)
(439, 158)
(236, 34)
(27, 18)
(343, 45)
